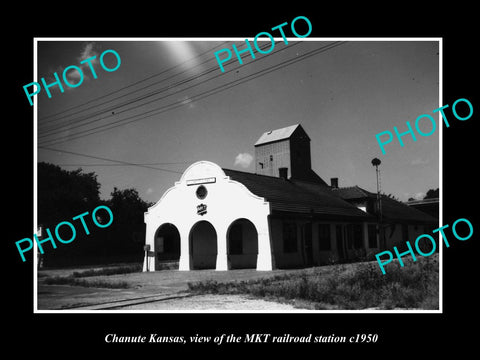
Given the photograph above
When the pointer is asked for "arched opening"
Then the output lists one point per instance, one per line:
(242, 244)
(203, 246)
(167, 246)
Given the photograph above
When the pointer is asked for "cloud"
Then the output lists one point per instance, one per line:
(419, 195)
(244, 160)
(416, 196)
(89, 50)
(73, 77)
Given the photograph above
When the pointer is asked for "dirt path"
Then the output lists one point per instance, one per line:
(213, 303)
(152, 286)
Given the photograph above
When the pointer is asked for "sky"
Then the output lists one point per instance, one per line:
(169, 105)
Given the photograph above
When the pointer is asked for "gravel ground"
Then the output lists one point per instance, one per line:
(166, 282)
(213, 303)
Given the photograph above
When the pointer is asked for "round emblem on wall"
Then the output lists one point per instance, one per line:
(201, 192)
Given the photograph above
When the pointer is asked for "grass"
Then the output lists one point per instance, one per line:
(98, 283)
(126, 269)
(167, 265)
(352, 286)
(77, 278)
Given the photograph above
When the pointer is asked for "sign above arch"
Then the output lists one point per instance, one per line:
(202, 172)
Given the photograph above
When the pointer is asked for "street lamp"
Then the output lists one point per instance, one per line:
(376, 162)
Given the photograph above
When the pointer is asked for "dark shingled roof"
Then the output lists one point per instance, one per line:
(303, 197)
(392, 209)
(353, 193)
(285, 196)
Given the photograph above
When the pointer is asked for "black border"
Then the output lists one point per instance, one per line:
(83, 334)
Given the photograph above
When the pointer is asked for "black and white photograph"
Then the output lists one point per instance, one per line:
(220, 182)
(263, 195)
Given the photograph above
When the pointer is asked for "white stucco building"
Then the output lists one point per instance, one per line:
(283, 216)
(206, 207)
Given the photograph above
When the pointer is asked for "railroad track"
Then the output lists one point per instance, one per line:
(118, 304)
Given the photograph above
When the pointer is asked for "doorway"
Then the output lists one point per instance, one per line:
(167, 244)
(242, 245)
(203, 246)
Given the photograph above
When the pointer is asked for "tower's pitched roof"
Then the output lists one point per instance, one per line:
(279, 134)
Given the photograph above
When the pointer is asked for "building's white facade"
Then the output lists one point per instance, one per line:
(204, 226)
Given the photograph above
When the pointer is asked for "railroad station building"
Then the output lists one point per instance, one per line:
(282, 216)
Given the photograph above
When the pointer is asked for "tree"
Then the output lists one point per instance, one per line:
(432, 194)
(128, 233)
(62, 195)
(391, 196)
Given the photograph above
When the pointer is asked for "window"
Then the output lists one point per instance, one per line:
(201, 192)
(357, 236)
(235, 240)
(324, 236)
(372, 236)
(402, 245)
(289, 237)
(340, 243)
(349, 235)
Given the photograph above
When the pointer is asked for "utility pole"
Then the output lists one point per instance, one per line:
(376, 162)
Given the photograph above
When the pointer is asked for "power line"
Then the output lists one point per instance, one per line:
(78, 121)
(87, 116)
(135, 164)
(111, 160)
(56, 128)
(199, 96)
(130, 85)
(202, 95)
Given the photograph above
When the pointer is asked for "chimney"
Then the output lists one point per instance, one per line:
(283, 173)
(334, 183)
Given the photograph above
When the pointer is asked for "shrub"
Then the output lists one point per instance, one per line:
(70, 280)
(358, 286)
(114, 270)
